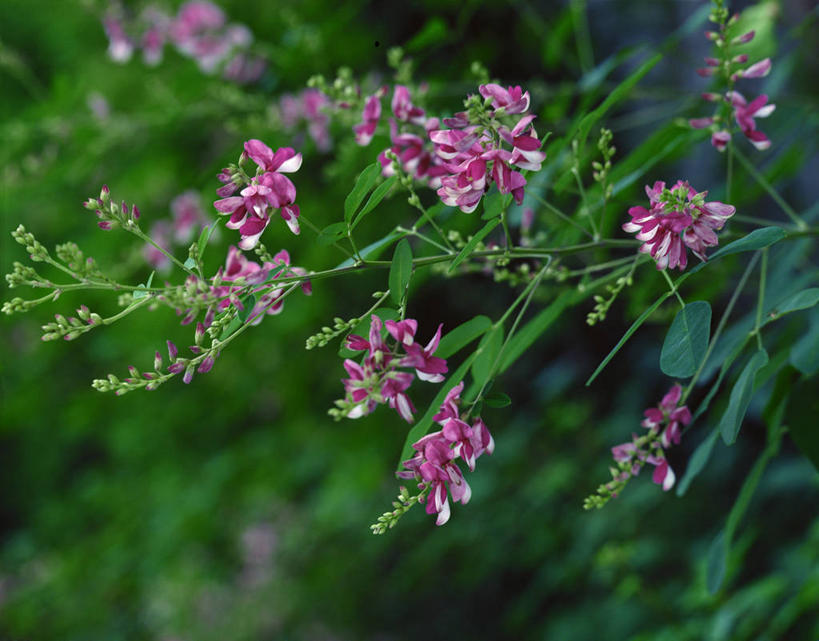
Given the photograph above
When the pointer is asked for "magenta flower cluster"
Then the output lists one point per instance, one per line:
(664, 424)
(267, 191)
(199, 30)
(677, 219)
(473, 154)
(381, 377)
(732, 104)
(434, 464)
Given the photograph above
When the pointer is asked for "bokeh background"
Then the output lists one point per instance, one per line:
(235, 508)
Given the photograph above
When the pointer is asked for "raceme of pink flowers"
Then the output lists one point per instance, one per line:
(434, 463)
(308, 106)
(664, 424)
(268, 190)
(474, 156)
(732, 105)
(377, 379)
(677, 219)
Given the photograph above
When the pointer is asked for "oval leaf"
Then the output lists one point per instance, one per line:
(400, 271)
(497, 399)
(687, 340)
(331, 233)
(248, 303)
(741, 397)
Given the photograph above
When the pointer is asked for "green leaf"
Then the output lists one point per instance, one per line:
(142, 290)
(400, 271)
(422, 426)
(687, 340)
(366, 179)
(741, 397)
(487, 354)
(376, 197)
(362, 328)
(332, 233)
(231, 327)
(248, 303)
(493, 205)
(805, 352)
(619, 93)
(530, 332)
(697, 462)
(462, 335)
(497, 399)
(190, 263)
(757, 239)
(204, 237)
(634, 327)
(805, 299)
(800, 417)
(473, 242)
(717, 562)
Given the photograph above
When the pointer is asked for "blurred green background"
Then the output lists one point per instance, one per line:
(235, 508)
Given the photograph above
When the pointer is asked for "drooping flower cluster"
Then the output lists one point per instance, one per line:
(732, 105)
(434, 463)
(677, 218)
(199, 31)
(268, 190)
(308, 106)
(365, 130)
(664, 424)
(188, 218)
(381, 377)
(472, 150)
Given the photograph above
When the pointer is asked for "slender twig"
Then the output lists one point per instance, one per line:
(673, 287)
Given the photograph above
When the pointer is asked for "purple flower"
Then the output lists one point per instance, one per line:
(188, 216)
(677, 218)
(513, 100)
(745, 113)
(369, 118)
(269, 190)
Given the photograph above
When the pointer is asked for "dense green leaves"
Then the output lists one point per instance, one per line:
(462, 335)
(697, 462)
(741, 397)
(332, 233)
(400, 271)
(687, 340)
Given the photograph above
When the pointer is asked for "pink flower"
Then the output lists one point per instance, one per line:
(745, 113)
(378, 379)
(513, 100)
(403, 109)
(757, 70)
(434, 461)
(161, 235)
(269, 190)
(120, 46)
(677, 218)
(369, 118)
(719, 139)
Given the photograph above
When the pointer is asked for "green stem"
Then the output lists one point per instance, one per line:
(763, 182)
(761, 299)
(729, 170)
(317, 231)
(673, 287)
(143, 236)
(560, 214)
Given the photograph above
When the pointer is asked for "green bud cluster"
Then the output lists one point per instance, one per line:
(601, 170)
(35, 248)
(327, 334)
(71, 327)
(342, 90)
(602, 304)
(402, 505)
(24, 275)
